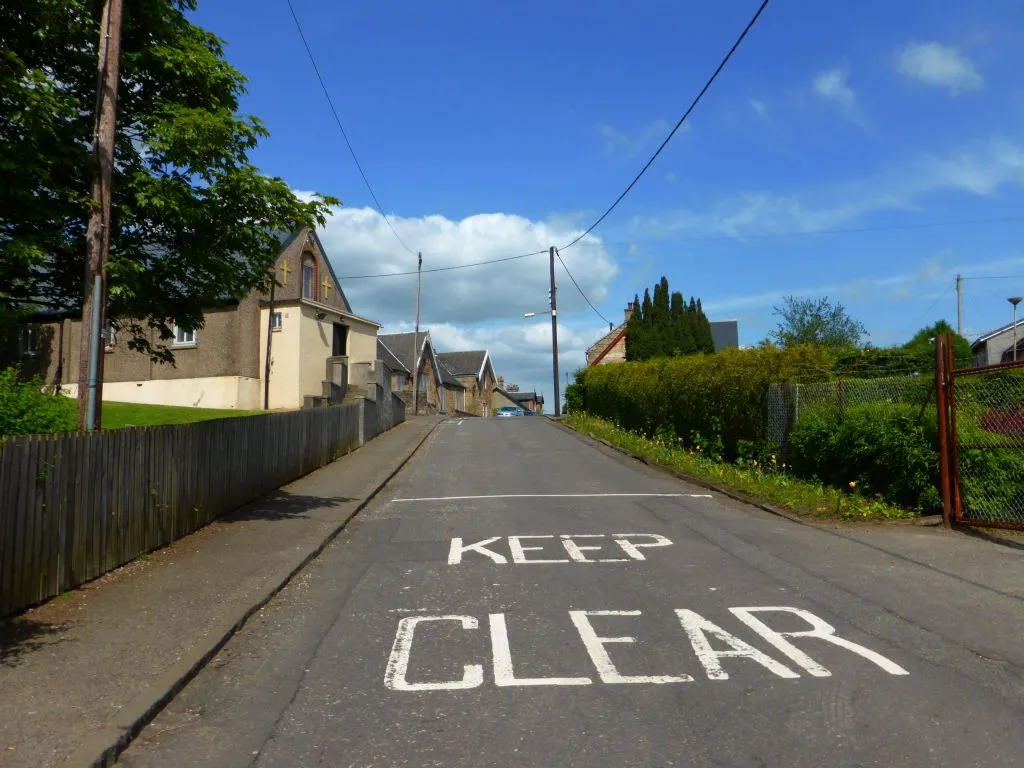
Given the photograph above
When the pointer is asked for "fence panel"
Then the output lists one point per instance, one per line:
(987, 425)
(75, 506)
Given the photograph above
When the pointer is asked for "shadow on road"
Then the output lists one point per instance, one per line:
(281, 505)
(20, 637)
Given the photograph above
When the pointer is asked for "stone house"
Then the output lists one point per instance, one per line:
(437, 391)
(528, 400)
(996, 346)
(476, 374)
(317, 346)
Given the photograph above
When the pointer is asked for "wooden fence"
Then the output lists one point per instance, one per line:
(75, 506)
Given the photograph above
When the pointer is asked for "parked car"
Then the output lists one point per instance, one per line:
(509, 411)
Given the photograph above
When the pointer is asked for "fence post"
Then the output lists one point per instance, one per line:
(943, 427)
(954, 443)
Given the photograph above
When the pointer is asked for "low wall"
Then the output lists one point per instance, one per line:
(241, 392)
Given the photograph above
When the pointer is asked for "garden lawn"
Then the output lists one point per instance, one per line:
(772, 486)
(117, 415)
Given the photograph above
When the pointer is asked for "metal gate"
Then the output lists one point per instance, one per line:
(983, 459)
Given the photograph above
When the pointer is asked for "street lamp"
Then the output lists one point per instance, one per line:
(1015, 300)
(534, 314)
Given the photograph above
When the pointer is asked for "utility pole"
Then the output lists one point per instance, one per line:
(270, 337)
(959, 305)
(90, 368)
(554, 332)
(416, 339)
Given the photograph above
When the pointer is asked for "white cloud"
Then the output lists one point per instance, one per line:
(939, 65)
(637, 141)
(479, 306)
(832, 86)
(760, 108)
(671, 177)
(980, 170)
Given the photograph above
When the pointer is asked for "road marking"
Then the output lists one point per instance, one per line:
(504, 674)
(697, 629)
(575, 551)
(398, 662)
(563, 496)
(595, 647)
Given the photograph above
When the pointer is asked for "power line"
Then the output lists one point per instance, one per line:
(996, 277)
(443, 269)
(844, 231)
(943, 295)
(580, 289)
(678, 125)
(337, 119)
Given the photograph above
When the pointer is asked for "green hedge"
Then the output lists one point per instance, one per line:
(696, 397)
(882, 448)
(25, 409)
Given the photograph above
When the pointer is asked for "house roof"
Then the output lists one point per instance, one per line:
(447, 377)
(607, 340)
(524, 397)
(725, 333)
(403, 346)
(389, 358)
(464, 363)
(992, 334)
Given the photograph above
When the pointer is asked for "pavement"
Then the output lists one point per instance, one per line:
(521, 596)
(80, 674)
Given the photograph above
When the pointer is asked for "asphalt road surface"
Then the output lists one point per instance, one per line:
(520, 597)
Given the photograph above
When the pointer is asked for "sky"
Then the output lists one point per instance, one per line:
(868, 152)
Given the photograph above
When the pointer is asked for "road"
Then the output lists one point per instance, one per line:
(520, 597)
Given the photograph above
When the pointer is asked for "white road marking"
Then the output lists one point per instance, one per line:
(698, 628)
(821, 629)
(563, 496)
(458, 548)
(576, 550)
(631, 549)
(504, 674)
(519, 551)
(398, 662)
(595, 647)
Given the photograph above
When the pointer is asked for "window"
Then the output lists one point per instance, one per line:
(275, 321)
(183, 338)
(458, 399)
(399, 382)
(109, 337)
(308, 279)
(29, 340)
(423, 382)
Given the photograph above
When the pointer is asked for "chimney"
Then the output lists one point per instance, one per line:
(501, 383)
(629, 311)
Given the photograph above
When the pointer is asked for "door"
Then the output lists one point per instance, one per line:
(339, 345)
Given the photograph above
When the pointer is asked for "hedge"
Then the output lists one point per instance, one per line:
(25, 409)
(696, 397)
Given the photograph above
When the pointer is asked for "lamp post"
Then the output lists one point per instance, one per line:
(1015, 300)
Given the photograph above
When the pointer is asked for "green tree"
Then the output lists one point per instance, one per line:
(194, 221)
(816, 321)
(666, 326)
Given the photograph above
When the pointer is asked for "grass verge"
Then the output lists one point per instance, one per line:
(117, 415)
(773, 487)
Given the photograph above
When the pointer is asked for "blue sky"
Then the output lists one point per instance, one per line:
(491, 131)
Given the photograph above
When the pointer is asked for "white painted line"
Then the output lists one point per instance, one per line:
(599, 656)
(565, 496)
(398, 662)
(504, 673)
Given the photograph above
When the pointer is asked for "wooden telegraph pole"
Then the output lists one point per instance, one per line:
(90, 368)
(554, 333)
(416, 339)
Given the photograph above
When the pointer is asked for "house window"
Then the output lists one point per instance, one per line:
(423, 382)
(183, 338)
(399, 382)
(275, 321)
(458, 399)
(29, 341)
(109, 337)
(308, 279)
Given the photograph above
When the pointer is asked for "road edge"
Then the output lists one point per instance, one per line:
(702, 483)
(102, 749)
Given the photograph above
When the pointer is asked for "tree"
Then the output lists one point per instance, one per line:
(665, 326)
(816, 321)
(194, 221)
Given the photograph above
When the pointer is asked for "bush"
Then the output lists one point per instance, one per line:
(706, 397)
(879, 449)
(25, 409)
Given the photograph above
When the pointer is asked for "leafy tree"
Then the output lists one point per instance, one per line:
(816, 321)
(194, 221)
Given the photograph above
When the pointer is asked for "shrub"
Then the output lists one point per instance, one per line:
(25, 409)
(880, 449)
(707, 397)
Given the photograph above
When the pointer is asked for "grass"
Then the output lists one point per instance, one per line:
(772, 486)
(117, 415)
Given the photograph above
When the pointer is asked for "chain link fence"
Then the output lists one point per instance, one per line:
(988, 407)
(786, 402)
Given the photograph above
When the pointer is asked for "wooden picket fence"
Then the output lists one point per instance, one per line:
(75, 506)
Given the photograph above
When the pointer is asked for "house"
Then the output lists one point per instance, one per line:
(474, 370)
(317, 346)
(502, 398)
(433, 389)
(611, 348)
(996, 346)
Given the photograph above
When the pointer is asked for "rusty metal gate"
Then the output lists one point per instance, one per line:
(984, 462)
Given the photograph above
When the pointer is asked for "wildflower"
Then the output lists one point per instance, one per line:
(853, 483)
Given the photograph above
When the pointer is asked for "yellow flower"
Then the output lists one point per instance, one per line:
(853, 483)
